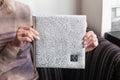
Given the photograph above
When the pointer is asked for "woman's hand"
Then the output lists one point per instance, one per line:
(24, 34)
(90, 41)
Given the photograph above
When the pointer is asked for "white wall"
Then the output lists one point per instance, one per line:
(56, 6)
(93, 10)
(53, 6)
(98, 13)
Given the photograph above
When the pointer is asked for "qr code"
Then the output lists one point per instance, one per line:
(74, 58)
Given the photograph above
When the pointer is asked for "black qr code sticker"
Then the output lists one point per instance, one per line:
(74, 58)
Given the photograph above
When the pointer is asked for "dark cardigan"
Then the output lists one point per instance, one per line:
(103, 63)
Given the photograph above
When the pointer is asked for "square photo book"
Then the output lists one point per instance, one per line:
(61, 41)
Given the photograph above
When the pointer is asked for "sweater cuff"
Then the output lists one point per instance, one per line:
(9, 53)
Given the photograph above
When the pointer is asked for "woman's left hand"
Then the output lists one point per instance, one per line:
(90, 41)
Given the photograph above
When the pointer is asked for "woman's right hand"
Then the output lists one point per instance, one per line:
(90, 41)
(24, 34)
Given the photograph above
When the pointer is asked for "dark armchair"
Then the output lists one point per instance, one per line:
(103, 63)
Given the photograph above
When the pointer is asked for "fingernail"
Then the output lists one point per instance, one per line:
(37, 33)
(84, 42)
(85, 38)
(30, 40)
(38, 38)
(85, 45)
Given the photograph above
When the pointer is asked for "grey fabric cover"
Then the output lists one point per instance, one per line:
(61, 41)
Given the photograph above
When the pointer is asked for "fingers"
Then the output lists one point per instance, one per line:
(34, 35)
(27, 34)
(90, 40)
(30, 29)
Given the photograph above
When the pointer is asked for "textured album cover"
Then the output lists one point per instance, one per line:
(61, 41)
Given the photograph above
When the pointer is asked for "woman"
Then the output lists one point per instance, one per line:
(15, 37)
(15, 33)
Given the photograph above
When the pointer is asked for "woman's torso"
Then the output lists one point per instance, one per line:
(9, 24)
